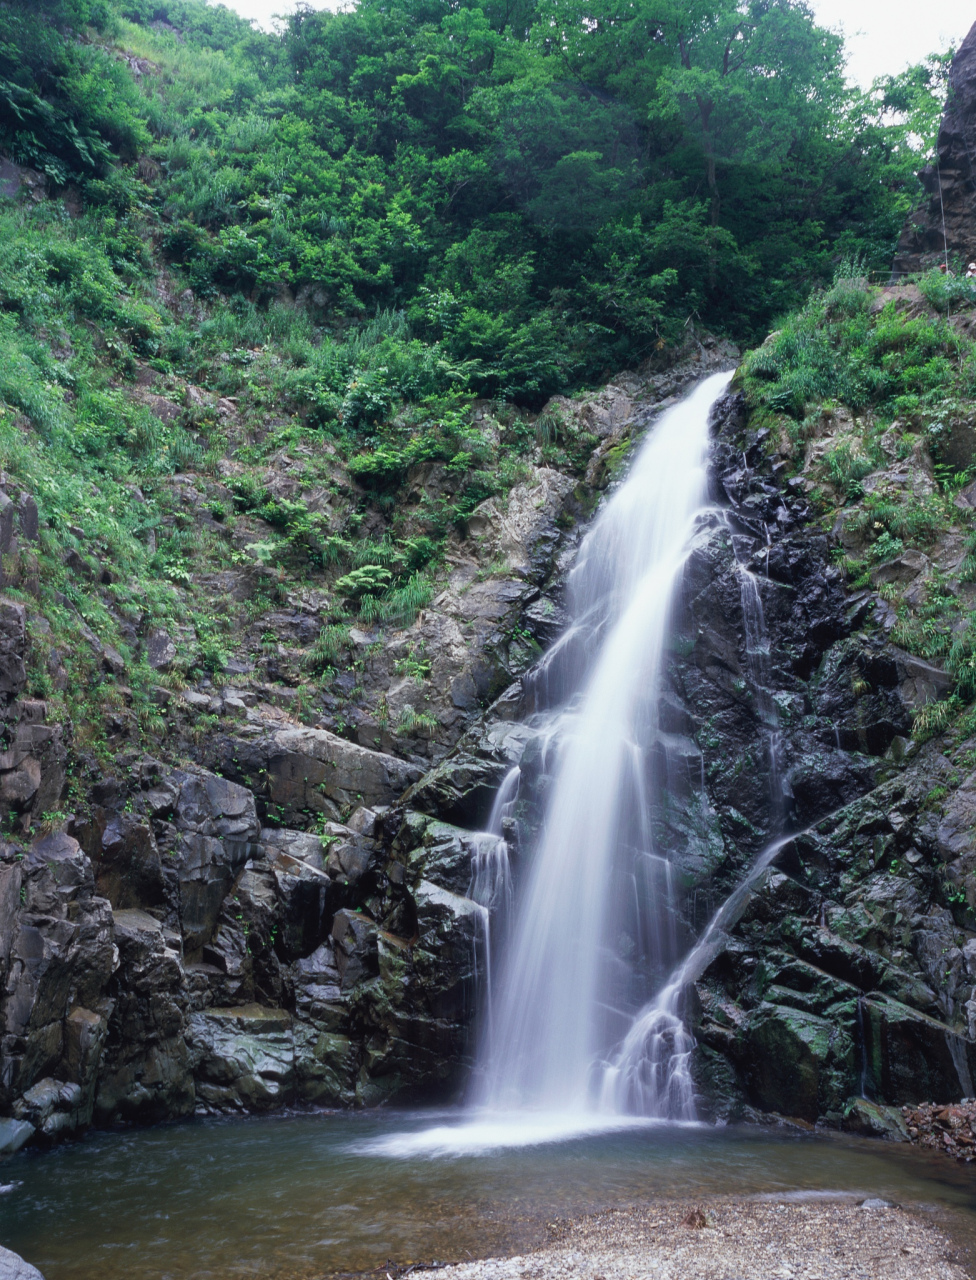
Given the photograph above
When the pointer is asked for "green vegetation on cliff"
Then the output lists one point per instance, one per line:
(870, 393)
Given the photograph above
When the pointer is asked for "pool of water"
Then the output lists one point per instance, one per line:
(292, 1197)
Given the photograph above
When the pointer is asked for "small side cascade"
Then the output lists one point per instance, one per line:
(757, 659)
(863, 1045)
(491, 887)
(650, 1074)
(491, 873)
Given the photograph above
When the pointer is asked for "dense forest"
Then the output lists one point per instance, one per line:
(537, 193)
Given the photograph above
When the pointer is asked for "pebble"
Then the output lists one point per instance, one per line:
(741, 1239)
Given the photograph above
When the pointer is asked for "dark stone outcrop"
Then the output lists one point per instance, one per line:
(846, 973)
(57, 956)
(945, 222)
(162, 952)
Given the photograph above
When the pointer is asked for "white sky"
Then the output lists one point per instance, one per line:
(883, 36)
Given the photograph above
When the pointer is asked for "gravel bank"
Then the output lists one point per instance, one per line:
(742, 1240)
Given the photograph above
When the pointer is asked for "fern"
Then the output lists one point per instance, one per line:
(368, 580)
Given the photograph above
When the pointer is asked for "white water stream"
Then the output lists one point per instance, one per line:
(549, 1017)
(560, 1055)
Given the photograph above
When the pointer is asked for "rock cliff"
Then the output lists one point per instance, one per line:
(845, 977)
(945, 223)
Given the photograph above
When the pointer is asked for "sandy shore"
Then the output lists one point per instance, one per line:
(741, 1240)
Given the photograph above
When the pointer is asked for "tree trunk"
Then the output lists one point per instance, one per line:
(713, 189)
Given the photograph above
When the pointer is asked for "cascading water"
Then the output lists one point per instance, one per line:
(650, 1072)
(757, 657)
(552, 1014)
(562, 1046)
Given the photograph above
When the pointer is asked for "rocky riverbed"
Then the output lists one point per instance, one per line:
(950, 1129)
(729, 1240)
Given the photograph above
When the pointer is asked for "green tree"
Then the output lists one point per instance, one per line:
(747, 79)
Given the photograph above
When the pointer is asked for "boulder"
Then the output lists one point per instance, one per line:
(302, 772)
(160, 649)
(875, 1120)
(242, 1058)
(52, 1108)
(13, 1267)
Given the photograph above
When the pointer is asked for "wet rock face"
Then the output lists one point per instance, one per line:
(949, 185)
(57, 956)
(846, 973)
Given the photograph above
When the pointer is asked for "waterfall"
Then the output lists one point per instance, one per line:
(565, 1048)
(553, 1016)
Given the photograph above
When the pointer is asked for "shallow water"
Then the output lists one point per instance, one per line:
(307, 1195)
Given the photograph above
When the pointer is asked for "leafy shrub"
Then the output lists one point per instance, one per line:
(943, 292)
